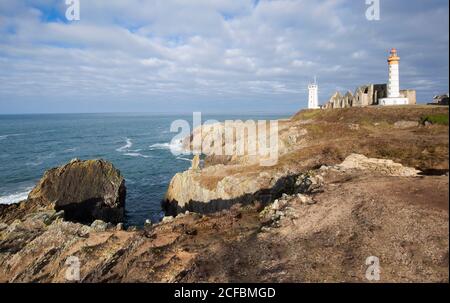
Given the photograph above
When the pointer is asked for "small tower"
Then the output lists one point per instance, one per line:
(313, 95)
(393, 89)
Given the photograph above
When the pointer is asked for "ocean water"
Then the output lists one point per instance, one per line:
(137, 144)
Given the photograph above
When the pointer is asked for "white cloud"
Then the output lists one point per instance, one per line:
(208, 50)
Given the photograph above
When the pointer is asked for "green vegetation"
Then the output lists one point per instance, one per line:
(309, 114)
(441, 119)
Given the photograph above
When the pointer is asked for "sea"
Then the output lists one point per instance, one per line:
(137, 144)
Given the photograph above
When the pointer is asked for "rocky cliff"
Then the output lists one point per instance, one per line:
(83, 190)
(323, 234)
(308, 140)
(349, 185)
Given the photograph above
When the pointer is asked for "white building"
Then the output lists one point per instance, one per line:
(393, 88)
(313, 95)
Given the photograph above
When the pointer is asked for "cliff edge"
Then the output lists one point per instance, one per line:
(350, 186)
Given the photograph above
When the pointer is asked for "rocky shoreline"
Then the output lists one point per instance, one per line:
(349, 184)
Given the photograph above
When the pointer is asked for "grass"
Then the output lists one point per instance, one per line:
(441, 119)
(330, 140)
(308, 114)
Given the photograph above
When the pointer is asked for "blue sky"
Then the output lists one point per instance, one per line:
(234, 56)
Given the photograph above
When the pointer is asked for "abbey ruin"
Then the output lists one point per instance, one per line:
(366, 95)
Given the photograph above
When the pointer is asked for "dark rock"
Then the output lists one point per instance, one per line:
(191, 231)
(84, 190)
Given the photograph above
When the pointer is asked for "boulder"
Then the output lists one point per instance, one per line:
(99, 225)
(167, 219)
(406, 124)
(84, 190)
(381, 166)
(120, 227)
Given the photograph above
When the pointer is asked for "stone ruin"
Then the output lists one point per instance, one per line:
(366, 95)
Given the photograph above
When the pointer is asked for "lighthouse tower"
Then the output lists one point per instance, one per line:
(394, 75)
(393, 89)
(313, 95)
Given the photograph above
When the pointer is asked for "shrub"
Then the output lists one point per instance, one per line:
(441, 119)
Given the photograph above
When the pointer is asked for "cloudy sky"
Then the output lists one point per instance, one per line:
(211, 55)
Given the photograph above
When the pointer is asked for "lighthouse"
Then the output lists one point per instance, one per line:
(393, 88)
(313, 95)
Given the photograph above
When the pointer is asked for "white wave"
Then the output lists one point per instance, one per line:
(39, 160)
(175, 147)
(48, 156)
(136, 155)
(160, 146)
(127, 146)
(37, 163)
(130, 181)
(71, 150)
(16, 197)
(3, 137)
(184, 159)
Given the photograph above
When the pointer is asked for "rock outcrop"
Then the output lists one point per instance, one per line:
(380, 166)
(319, 138)
(195, 191)
(332, 209)
(84, 190)
(221, 189)
(324, 235)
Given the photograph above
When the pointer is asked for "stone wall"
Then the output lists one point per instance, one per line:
(366, 95)
(410, 94)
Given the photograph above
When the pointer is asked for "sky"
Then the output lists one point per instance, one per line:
(215, 56)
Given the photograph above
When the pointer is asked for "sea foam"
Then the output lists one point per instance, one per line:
(176, 147)
(128, 145)
(136, 155)
(16, 197)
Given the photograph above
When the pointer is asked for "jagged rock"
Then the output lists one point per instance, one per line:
(195, 162)
(386, 167)
(405, 124)
(190, 191)
(276, 205)
(404, 221)
(305, 199)
(191, 232)
(308, 184)
(167, 219)
(279, 204)
(13, 226)
(3, 226)
(58, 215)
(99, 225)
(47, 217)
(120, 227)
(43, 216)
(84, 190)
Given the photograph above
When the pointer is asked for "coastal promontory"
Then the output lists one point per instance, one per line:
(351, 185)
